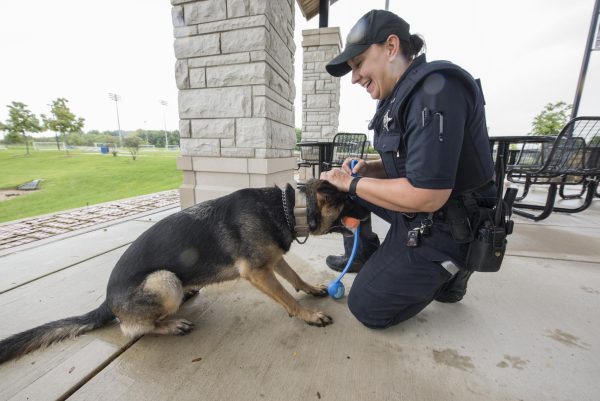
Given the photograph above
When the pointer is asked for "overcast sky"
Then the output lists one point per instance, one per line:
(527, 53)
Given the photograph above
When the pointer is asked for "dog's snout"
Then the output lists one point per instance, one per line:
(312, 225)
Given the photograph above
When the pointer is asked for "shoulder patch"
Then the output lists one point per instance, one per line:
(434, 83)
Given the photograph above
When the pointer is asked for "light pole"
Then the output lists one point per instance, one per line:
(589, 48)
(165, 104)
(116, 97)
(146, 131)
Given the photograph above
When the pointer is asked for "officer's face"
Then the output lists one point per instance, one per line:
(368, 71)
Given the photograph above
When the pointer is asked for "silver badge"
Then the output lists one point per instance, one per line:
(386, 120)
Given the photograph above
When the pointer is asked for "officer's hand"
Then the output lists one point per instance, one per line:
(361, 167)
(340, 179)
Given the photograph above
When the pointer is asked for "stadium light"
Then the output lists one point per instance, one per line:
(164, 103)
(116, 97)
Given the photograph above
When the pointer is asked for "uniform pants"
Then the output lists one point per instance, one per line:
(395, 283)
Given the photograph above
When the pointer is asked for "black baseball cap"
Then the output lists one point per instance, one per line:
(373, 27)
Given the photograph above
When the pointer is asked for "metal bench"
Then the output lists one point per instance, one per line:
(572, 158)
(346, 145)
(314, 153)
(309, 157)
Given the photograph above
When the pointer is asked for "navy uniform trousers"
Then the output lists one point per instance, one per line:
(396, 282)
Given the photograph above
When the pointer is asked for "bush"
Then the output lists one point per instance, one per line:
(132, 143)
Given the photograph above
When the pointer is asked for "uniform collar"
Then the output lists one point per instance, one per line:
(383, 105)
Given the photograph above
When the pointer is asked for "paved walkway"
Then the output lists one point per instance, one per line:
(528, 332)
(33, 229)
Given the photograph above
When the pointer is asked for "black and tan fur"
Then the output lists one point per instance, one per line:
(244, 234)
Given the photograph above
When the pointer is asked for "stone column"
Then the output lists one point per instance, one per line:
(235, 76)
(320, 91)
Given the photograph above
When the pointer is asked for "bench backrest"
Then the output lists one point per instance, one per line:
(575, 151)
(575, 147)
(348, 145)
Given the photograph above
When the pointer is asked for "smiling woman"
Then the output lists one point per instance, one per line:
(80, 179)
(429, 130)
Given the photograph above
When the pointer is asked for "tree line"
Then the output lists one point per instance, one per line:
(21, 121)
(68, 128)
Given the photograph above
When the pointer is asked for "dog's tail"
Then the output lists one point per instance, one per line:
(23, 343)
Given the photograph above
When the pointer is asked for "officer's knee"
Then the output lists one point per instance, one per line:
(360, 312)
(367, 313)
(374, 315)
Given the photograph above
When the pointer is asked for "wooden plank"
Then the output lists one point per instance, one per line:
(161, 214)
(70, 292)
(68, 374)
(22, 267)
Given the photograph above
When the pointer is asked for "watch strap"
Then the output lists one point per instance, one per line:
(353, 183)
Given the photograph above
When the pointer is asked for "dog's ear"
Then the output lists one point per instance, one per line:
(330, 193)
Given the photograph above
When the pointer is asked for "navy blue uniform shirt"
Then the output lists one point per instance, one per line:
(444, 142)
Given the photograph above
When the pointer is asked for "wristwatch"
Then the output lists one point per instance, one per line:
(353, 183)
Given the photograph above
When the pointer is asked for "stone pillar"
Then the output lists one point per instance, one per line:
(235, 75)
(320, 91)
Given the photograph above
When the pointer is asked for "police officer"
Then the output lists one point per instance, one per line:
(431, 134)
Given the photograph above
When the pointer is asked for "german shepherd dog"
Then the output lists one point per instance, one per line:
(244, 234)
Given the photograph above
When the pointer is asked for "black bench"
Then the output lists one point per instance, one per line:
(571, 158)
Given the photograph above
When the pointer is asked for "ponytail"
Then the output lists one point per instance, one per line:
(414, 47)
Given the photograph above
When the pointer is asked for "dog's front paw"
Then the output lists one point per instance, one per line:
(176, 327)
(183, 327)
(188, 294)
(319, 290)
(316, 318)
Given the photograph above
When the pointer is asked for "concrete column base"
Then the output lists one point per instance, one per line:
(207, 178)
(306, 173)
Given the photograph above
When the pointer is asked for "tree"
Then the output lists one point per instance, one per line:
(62, 120)
(132, 143)
(298, 136)
(552, 119)
(157, 137)
(13, 137)
(20, 121)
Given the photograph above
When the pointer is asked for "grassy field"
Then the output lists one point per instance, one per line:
(81, 179)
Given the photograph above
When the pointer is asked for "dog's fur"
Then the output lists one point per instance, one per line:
(244, 234)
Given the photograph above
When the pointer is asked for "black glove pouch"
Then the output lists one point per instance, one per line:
(486, 252)
(459, 221)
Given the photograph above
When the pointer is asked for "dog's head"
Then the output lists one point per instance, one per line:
(327, 206)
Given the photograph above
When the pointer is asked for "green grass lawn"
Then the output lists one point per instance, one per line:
(81, 179)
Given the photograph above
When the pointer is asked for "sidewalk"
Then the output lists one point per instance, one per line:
(528, 332)
(25, 231)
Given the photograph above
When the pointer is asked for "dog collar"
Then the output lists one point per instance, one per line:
(300, 224)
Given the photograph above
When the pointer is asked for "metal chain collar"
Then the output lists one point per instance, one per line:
(287, 219)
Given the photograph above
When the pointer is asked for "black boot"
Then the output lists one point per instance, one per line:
(456, 288)
(368, 243)
(339, 262)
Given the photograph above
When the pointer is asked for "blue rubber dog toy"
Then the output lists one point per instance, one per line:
(336, 288)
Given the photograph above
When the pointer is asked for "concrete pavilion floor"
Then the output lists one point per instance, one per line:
(529, 332)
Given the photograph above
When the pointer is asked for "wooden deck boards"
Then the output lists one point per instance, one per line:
(527, 332)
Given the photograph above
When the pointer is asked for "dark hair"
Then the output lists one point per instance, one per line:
(414, 47)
